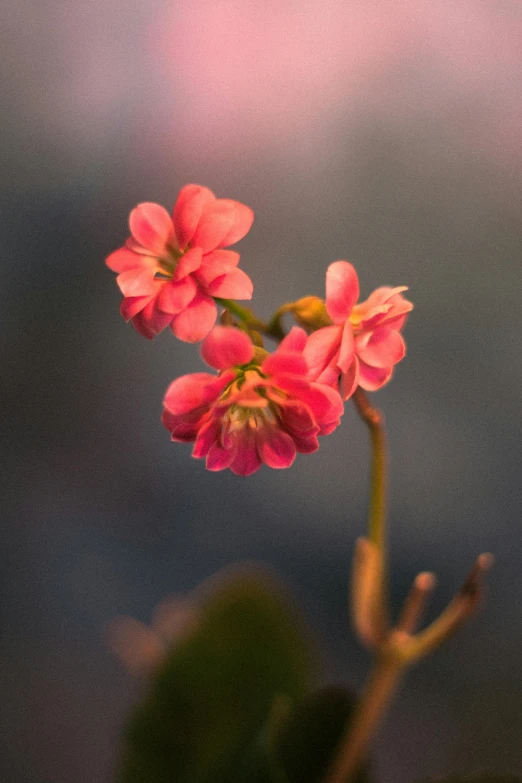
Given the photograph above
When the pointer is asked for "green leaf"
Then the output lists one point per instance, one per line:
(308, 740)
(208, 703)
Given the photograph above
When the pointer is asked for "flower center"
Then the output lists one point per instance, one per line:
(250, 405)
(168, 264)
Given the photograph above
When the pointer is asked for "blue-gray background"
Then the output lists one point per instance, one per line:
(387, 134)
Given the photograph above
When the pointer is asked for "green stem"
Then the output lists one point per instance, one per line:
(272, 329)
(374, 419)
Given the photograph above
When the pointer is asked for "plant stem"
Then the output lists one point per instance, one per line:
(372, 705)
(272, 329)
(374, 419)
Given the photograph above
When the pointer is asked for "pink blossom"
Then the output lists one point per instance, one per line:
(171, 267)
(260, 408)
(364, 342)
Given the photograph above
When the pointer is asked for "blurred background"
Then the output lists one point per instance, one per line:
(388, 134)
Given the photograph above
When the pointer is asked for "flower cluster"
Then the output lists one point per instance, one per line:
(261, 407)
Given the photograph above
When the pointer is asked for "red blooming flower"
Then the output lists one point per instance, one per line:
(364, 342)
(171, 267)
(256, 410)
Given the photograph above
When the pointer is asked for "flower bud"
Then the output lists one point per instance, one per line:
(310, 312)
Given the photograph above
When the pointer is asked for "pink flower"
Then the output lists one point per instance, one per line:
(260, 408)
(171, 267)
(364, 342)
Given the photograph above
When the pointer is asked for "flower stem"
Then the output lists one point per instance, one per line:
(272, 329)
(374, 419)
(379, 690)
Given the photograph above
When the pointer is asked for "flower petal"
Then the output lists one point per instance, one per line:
(246, 458)
(276, 448)
(181, 430)
(188, 263)
(124, 259)
(151, 226)
(383, 348)
(137, 282)
(306, 445)
(242, 220)
(219, 457)
(196, 320)
(132, 305)
(226, 347)
(372, 378)
(347, 349)
(191, 392)
(342, 290)
(285, 363)
(187, 211)
(174, 297)
(321, 349)
(214, 224)
(207, 435)
(233, 285)
(350, 380)
(151, 321)
(296, 417)
(295, 340)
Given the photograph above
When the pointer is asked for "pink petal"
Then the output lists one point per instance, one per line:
(132, 305)
(187, 211)
(142, 327)
(324, 402)
(383, 295)
(246, 458)
(151, 319)
(124, 259)
(347, 349)
(382, 348)
(285, 363)
(174, 297)
(188, 263)
(218, 457)
(350, 380)
(196, 320)
(216, 264)
(384, 306)
(207, 435)
(276, 448)
(295, 340)
(306, 445)
(233, 285)
(137, 282)
(335, 409)
(194, 391)
(214, 224)
(342, 290)
(321, 349)
(225, 347)
(243, 217)
(181, 431)
(330, 375)
(372, 378)
(151, 226)
(297, 417)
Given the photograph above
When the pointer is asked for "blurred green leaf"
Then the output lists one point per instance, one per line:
(308, 739)
(202, 718)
